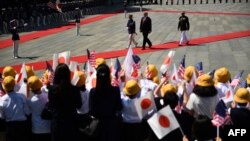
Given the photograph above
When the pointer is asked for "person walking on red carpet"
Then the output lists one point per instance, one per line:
(146, 28)
(131, 31)
(183, 26)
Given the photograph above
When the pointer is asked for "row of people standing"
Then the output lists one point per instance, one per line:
(114, 107)
(146, 29)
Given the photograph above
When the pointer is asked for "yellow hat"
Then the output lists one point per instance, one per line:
(8, 83)
(29, 71)
(205, 80)
(168, 88)
(99, 61)
(189, 72)
(242, 95)
(152, 70)
(34, 83)
(248, 79)
(222, 75)
(81, 80)
(8, 71)
(131, 88)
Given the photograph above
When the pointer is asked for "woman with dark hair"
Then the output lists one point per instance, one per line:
(105, 105)
(64, 100)
(204, 98)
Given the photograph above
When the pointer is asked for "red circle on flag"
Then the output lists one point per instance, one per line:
(228, 94)
(61, 60)
(164, 121)
(145, 103)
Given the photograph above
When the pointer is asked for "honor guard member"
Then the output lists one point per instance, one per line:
(15, 37)
(78, 20)
(183, 26)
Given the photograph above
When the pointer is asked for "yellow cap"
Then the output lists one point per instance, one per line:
(81, 80)
(167, 88)
(205, 80)
(242, 96)
(34, 83)
(131, 88)
(222, 75)
(8, 83)
(248, 79)
(189, 72)
(8, 71)
(29, 71)
(99, 61)
(152, 70)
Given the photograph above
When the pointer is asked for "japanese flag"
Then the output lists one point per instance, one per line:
(128, 64)
(75, 79)
(167, 61)
(62, 57)
(22, 75)
(229, 94)
(163, 122)
(174, 77)
(145, 105)
(74, 66)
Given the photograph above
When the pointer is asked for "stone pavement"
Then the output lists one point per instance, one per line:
(111, 34)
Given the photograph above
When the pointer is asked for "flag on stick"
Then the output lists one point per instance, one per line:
(163, 122)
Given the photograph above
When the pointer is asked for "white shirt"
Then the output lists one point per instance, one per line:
(146, 86)
(37, 103)
(202, 105)
(222, 89)
(13, 107)
(85, 103)
(129, 113)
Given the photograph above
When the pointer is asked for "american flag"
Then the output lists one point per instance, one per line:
(55, 5)
(178, 108)
(137, 61)
(211, 73)
(91, 57)
(51, 72)
(243, 84)
(199, 67)
(220, 116)
(117, 69)
(236, 80)
(181, 68)
(1, 88)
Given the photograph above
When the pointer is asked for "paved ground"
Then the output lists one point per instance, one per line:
(110, 34)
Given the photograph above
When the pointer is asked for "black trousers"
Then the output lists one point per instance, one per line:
(17, 131)
(41, 137)
(146, 40)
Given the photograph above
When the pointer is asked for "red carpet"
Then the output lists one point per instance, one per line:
(24, 38)
(169, 45)
(199, 12)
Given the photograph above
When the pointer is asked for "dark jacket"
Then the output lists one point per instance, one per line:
(77, 18)
(183, 23)
(131, 26)
(106, 106)
(64, 102)
(146, 25)
(240, 117)
(15, 35)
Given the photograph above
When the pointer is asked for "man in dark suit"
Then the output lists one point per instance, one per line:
(146, 28)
